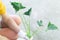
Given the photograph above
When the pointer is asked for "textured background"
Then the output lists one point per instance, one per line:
(42, 9)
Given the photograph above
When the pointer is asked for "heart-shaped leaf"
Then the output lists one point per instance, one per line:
(28, 12)
(52, 26)
(40, 23)
(17, 6)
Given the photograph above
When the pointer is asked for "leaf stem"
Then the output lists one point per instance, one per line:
(23, 22)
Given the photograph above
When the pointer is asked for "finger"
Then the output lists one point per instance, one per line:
(10, 22)
(15, 18)
(8, 33)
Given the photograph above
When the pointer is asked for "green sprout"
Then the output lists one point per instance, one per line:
(18, 6)
(40, 23)
(51, 26)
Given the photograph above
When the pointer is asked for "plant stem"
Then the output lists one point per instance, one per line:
(23, 22)
(26, 24)
(29, 31)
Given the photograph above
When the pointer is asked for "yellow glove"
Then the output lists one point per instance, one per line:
(2, 8)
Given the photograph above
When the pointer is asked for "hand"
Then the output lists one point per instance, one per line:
(6, 31)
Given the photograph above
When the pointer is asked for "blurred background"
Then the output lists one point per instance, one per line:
(41, 9)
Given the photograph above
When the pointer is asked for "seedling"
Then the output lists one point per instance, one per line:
(18, 6)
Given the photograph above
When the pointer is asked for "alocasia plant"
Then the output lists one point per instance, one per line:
(18, 6)
(51, 26)
(40, 23)
(28, 12)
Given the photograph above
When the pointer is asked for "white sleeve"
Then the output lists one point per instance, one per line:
(20, 39)
(22, 34)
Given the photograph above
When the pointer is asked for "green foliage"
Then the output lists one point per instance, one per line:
(40, 23)
(52, 26)
(28, 12)
(17, 6)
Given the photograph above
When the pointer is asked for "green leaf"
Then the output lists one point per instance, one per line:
(28, 12)
(52, 26)
(17, 6)
(40, 23)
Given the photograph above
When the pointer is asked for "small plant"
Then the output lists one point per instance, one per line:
(18, 6)
(51, 26)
